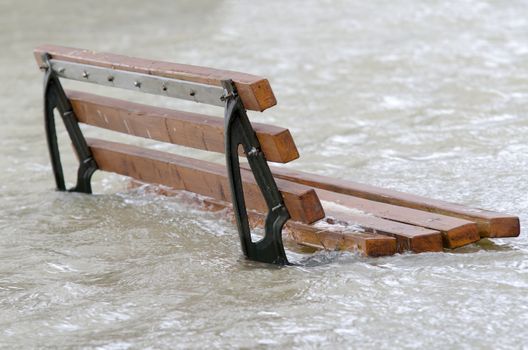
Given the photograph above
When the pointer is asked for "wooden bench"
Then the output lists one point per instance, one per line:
(317, 211)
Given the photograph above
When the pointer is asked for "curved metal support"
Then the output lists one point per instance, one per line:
(55, 98)
(238, 131)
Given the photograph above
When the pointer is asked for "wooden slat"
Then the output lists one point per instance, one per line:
(255, 91)
(455, 232)
(321, 235)
(490, 224)
(339, 238)
(205, 178)
(408, 237)
(178, 127)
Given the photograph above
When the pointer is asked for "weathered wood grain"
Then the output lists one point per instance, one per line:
(205, 178)
(489, 223)
(255, 91)
(177, 127)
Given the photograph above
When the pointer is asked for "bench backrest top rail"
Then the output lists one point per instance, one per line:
(151, 76)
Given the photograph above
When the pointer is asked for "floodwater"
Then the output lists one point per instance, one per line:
(427, 97)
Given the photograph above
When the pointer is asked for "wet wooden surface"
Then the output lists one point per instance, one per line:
(408, 237)
(172, 126)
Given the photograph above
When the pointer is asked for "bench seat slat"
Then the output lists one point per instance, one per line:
(172, 126)
(205, 178)
(371, 244)
(255, 91)
(489, 223)
(408, 237)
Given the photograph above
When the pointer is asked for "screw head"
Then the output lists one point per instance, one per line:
(85, 74)
(137, 84)
(110, 78)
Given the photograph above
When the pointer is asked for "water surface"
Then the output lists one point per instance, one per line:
(426, 97)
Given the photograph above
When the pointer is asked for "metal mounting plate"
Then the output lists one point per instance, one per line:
(139, 82)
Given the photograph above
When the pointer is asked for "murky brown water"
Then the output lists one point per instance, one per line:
(428, 97)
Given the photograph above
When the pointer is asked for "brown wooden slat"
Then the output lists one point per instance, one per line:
(337, 238)
(490, 224)
(205, 178)
(326, 236)
(408, 237)
(456, 232)
(178, 127)
(255, 91)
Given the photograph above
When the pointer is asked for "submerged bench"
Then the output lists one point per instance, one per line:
(314, 210)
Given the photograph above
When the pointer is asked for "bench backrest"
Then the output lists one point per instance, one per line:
(156, 77)
(199, 131)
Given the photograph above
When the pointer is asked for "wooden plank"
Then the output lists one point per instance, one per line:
(178, 127)
(340, 238)
(408, 237)
(205, 178)
(455, 232)
(321, 235)
(490, 224)
(255, 91)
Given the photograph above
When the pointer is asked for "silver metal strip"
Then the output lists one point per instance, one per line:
(140, 82)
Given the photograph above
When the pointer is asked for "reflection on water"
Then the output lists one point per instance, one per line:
(424, 97)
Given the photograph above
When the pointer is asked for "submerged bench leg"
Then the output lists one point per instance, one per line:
(55, 98)
(238, 131)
